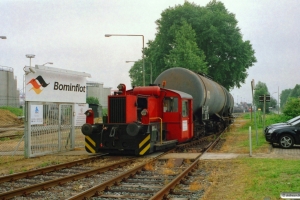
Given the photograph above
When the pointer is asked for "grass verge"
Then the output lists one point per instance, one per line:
(14, 110)
(250, 177)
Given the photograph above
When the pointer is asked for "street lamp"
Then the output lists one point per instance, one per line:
(274, 93)
(27, 72)
(30, 56)
(3, 37)
(277, 99)
(109, 35)
(51, 63)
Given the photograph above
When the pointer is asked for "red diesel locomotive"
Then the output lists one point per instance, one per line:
(147, 119)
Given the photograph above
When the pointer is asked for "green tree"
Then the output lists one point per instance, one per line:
(284, 97)
(273, 103)
(136, 74)
(292, 107)
(185, 52)
(92, 100)
(296, 91)
(260, 90)
(217, 35)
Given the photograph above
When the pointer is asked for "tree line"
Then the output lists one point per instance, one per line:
(204, 39)
(289, 99)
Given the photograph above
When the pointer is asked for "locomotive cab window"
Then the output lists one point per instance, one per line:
(185, 108)
(142, 103)
(170, 104)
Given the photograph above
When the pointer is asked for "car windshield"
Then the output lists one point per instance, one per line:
(293, 119)
(295, 123)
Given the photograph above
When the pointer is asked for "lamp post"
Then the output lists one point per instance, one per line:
(27, 56)
(3, 37)
(109, 35)
(278, 101)
(30, 56)
(272, 95)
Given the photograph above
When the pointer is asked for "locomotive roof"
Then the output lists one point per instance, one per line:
(182, 94)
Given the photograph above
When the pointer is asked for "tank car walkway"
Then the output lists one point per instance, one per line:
(217, 156)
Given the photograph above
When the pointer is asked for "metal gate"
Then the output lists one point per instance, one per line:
(49, 128)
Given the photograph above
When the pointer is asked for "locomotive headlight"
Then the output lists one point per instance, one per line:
(144, 112)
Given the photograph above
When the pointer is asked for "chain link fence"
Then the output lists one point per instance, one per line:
(12, 130)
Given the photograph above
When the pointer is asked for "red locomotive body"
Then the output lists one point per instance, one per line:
(141, 121)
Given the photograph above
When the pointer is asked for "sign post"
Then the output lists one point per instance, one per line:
(55, 102)
(264, 98)
(254, 108)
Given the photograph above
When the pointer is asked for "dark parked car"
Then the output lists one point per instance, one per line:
(282, 123)
(286, 135)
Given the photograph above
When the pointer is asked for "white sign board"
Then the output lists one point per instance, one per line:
(36, 112)
(55, 85)
(184, 125)
(80, 117)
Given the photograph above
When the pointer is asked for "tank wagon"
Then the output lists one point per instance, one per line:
(179, 107)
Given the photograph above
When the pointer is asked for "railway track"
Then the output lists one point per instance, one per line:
(9, 132)
(160, 178)
(152, 177)
(28, 184)
(10, 137)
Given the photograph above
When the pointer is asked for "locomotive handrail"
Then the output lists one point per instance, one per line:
(154, 118)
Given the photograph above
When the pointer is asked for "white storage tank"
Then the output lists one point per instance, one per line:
(9, 94)
(95, 89)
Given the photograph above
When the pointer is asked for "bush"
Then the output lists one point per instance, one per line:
(269, 119)
(292, 107)
(92, 100)
(104, 112)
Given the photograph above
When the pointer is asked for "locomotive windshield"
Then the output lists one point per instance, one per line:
(170, 104)
(142, 103)
(185, 108)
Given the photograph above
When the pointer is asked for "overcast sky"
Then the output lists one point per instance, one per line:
(70, 34)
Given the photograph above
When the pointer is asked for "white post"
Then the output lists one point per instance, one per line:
(250, 142)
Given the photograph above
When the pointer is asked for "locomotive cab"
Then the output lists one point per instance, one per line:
(177, 116)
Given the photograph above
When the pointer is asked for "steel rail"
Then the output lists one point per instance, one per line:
(195, 142)
(42, 186)
(96, 190)
(163, 193)
(10, 136)
(217, 140)
(44, 170)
